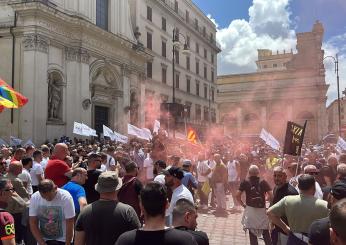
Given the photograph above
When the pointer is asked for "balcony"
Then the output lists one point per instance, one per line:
(171, 6)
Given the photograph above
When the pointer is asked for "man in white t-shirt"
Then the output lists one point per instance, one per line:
(51, 214)
(45, 156)
(148, 168)
(25, 175)
(110, 163)
(203, 170)
(173, 179)
(233, 181)
(36, 172)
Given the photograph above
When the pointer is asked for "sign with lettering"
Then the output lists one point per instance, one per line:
(294, 138)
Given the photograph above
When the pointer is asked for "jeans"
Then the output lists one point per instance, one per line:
(293, 240)
(266, 237)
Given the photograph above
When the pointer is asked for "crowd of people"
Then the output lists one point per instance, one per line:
(103, 192)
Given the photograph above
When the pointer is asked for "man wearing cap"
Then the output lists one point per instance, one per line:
(319, 230)
(189, 181)
(103, 221)
(173, 178)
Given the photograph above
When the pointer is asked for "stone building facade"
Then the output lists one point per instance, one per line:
(286, 87)
(195, 74)
(75, 61)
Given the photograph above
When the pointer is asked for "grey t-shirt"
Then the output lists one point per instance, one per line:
(104, 221)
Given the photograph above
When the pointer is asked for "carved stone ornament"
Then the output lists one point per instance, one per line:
(77, 54)
(36, 42)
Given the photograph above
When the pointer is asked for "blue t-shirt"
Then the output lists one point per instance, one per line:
(77, 191)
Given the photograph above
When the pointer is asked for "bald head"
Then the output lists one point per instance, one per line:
(253, 170)
(341, 170)
(60, 151)
(15, 168)
(310, 168)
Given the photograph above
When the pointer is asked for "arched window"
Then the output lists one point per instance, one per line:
(102, 14)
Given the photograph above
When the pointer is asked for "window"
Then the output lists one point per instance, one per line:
(197, 48)
(205, 72)
(150, 70)
(197, 67)
(275, 65)
(176, 6)
(102, 14)
(163, 24)
(164, 75)
(205, 91)
(212, 94)
(163, 51)
(149, 41)
(197, 88)
(176, 52)
(188, 110)
(187, 62)
(212, 76)
(265, 66)
(149, 14)
(206, 114)
(212, 58)
(187, 16)
(204, 31)
(205, 53)
(188, 85)
(177, 82)
(196, 24)
(188, 40)
(198, 112)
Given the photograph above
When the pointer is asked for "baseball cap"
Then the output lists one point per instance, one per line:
(338, 190)
(108, 182)
(186, 163)
(175, 172)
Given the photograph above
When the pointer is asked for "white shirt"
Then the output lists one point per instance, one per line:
(179, 193)
(160, 179)
(232, 171)
(202, 168)
(318, 190)
(110, 162)
(149, 166)
(44, 162)
(26, 178)
(36, 170)
(212, 165)
(52, 215)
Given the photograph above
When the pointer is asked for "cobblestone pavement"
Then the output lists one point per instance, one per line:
(225, 231)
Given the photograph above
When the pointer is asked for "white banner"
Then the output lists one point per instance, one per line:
(269, 139)
(139, 133)
(107, 132)
(120, 138)
(341, 144)
(78, 128)
(86, 130)
(157, 126)
(83, 129)
(15, 141)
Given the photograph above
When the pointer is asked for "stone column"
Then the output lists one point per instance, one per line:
(34, 114)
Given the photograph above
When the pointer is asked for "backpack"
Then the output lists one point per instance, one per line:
(256, 196)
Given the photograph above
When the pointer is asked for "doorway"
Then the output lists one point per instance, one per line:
(101, 118)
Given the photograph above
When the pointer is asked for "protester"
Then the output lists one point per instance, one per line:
(233, 170)
(7, 228)
(25, 175)
(110, 162)
(301, 210)
(75, 188)
(148, 166)
(313, 171)
(57, 169)
(255, 219)
(160, 167)
(153, 205)
(203, 170)
(51, 214)
(185, 219)
(173, 178)
(19, 154)
(189, 180)
(103, 221)
(45, 156)
(341, 172)
(319, 233)
(131, 188)
(36, 172)
(282, 188)
(93, 171)
(337, 219)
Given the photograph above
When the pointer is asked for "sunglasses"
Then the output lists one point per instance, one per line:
(9, 189)
(312, 173)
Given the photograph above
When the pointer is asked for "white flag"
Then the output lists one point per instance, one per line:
(341, 144)
(156, 126)
(107, 132)
(87, 131)
(139, 133)
(93, 133)
(120, 138)
(78, 128)
(147, 133)
(269, 139)
(15, 141)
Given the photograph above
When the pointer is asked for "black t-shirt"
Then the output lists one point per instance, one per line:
(104, 221)
(262, 187)
(200, 236)
(161, 237)
(319, 232)
(91, 194)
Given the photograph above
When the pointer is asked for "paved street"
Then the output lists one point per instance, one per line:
(223, 230)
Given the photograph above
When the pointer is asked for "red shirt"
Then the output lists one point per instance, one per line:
(7, 231)
(55, 170)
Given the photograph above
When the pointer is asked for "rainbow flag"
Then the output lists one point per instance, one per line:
(9, 98)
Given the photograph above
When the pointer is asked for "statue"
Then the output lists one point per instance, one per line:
(133, 109)
(54, 98)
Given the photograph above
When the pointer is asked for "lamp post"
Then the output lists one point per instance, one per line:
(176, 46)
(336, 68)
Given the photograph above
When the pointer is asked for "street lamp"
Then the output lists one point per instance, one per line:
(176, 46)
(336, 67)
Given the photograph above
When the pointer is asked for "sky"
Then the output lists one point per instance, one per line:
(247, 25)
